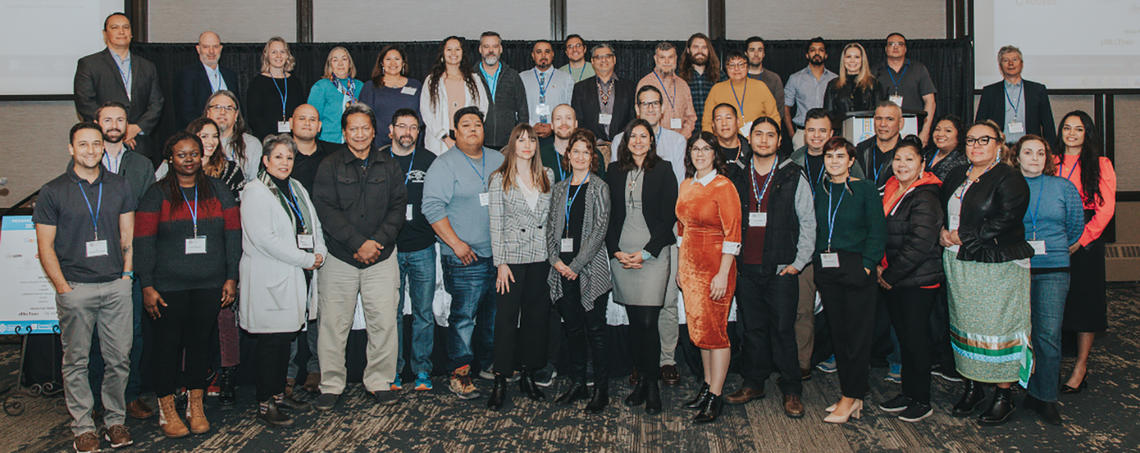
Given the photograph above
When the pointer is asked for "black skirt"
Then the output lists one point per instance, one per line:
(1085, 307)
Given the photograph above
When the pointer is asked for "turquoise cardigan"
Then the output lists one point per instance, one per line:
(330, 105)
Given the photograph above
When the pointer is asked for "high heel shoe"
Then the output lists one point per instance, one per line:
(710, 409)
(856, 412)
(697, 400)
(1073, 390)
(831, 408)
(600, 399)
(529, 387)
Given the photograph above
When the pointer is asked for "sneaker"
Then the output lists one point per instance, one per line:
(213, 389)
(897, 404)
(423, 382)
(389, 398)
(916, 411)
(118, 436)
(460, 383)
(87, 442)
(827, 366)
(948, 374)
(488, 374)
(396, 385)
(894, 375)
(544, 378)
(326, 401)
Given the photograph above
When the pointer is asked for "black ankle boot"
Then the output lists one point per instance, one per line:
(1000, 409)
(710, 408)
(696, 402)
(971, 399)
(226, 384)
(652, 398)
(529, 388)
(600, 399)
(577, 391)
(637, 396)
(498, 393)
(269, 413)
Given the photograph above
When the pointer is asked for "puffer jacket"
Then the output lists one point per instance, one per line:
(913, 255)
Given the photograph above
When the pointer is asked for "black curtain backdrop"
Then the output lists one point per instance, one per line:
(949, 63)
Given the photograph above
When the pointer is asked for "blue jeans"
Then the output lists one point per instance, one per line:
(417, 275)
(313, 365)
(472, 288)
(95, 363)
(1047, 310)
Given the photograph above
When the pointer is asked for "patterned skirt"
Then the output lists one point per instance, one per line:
(989, 319)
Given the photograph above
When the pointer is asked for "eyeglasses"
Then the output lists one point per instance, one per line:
(702, 149)
(650, 104)
(223, 108)
(608, 56)
(575, 46)
(981, 141)
(896, 44)
(737, 65)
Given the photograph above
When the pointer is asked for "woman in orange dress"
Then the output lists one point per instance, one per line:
(708, 211)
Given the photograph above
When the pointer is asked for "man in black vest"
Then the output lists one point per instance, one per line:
(778, 241)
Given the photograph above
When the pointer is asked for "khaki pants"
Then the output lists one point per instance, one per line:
(105, 308)
(378, 287)
(805, 318)
(667, 327)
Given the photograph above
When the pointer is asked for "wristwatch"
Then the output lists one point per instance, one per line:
(646, 256)
(130, 274)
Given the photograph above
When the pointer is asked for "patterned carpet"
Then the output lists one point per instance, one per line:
(1102, 418)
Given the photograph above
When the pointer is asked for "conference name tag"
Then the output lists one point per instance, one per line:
(829, 260)
(675, 123)
(96, 248)
(542, 109)
(305, 241)
(410, 91)
(605, 118)
(484, 199)
(283, 127)
(953, 224)
(1038, 247)
(196, 245)
(897, 100)
(1015, 127)
(408, 212)
(567, 245)
(757, 219)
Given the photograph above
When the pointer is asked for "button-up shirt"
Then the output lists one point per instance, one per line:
(1014, 109)
(699, 89)
(217, 82)
(606, 106)
(124, 64)
(556, 89)
(676, 101)
(804, 92)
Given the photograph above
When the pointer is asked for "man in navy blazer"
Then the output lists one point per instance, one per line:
(1019, 106)
(195, 83)
(587, 97)
(116, 75)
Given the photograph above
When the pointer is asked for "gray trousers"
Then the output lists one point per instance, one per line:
(667, 320)
(105, 307)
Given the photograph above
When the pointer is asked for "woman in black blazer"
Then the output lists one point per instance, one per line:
(643, 194)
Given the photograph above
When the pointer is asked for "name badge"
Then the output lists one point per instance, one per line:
(605, 118)
(829, 260)
(542, 109)
(567, 245)
(484, 199)
(896, 99)
(408, 212)
(1038, 247)
(283, 127)
(953, 224)
(1015, 127)
(305, 241)
(757, 219)
(196, 245)
(675, 123)
(96, 248)
(410, 91)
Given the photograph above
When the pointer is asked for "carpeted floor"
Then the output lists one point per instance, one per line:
(1102, 418)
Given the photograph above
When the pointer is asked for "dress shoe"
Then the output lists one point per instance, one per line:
(793, 406)
(1047, 410)
(1000, 409)
(498, 393)
(1073, 390)
(856, 412)
(529, 388)
(269, 413)
(634, 378)
(669, 375)
(710, 410)
(744, 395)
(695, 402)
(577, 391)
(805, 374)
(600, 399)
(637, 396)
(972, 398)
(652, 398)
(312, 383)
(139, 409)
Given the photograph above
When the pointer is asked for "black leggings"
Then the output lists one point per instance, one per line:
(522, 319)
(910, 314)
(583, 328)
(184, 323)
(643, 342)
(272, 353)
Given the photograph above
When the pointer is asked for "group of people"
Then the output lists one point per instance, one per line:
(568, 188)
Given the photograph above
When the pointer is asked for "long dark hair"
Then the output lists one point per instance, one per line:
(216, 165)
(440, 68)
(961, 131)
(710, 139)
(712, 66)
(625, 157)
(169, 183)
(1089, 159)
(237, 134)
(378, 69)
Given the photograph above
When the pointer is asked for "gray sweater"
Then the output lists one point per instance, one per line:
(451, 191)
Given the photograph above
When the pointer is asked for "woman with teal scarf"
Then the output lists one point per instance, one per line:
(336, 89)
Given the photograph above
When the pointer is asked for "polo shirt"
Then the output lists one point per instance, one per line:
(912, 82)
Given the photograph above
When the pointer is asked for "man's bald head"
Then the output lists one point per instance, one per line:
(564, 120)
(305, 123)
(209, 48)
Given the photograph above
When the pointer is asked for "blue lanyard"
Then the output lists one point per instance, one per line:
(570, 202)
(541, 87)
(118, 161)
(832, 214)
(760, 194)
(739, 100)
(492, 82)
(1037, 205)
(407, 174)
(483, 160)
(890, 72)
(1071, 169)
(580, 74)
(875, 167)
(807, 165)
(670, 99)
(292, 202)
(1017, 106)
(125, 75)
(194, 210)
(284, 96)
(558, 165)
(98, 205)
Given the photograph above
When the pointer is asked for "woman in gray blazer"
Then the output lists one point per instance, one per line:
(519, 193)
(579, 277)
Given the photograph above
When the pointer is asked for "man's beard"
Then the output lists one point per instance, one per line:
(109, 138)
(816, 60)
(700, 59)
(491, 60)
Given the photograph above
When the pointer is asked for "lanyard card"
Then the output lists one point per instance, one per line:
(1015, 127)
(1038, 247)
(897, 100)
(567, 245)
(408, 212)
(484, 199)
(96, 248)
(675, 123)
(757, 219)
(305, 241)
(829, 260)
(283, 127)
(605, 118)
(410, 91)
(196, 245)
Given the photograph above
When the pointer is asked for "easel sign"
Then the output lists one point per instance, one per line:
(27, 304)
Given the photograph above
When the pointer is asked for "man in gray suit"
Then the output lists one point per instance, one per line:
(114, 74)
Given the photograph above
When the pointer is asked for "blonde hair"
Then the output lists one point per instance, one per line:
(328, 63)
(290, 62)
(863, 79)
(507, 169)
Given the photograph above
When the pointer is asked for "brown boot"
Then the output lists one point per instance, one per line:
(139, 409)
(195, 413)
(168, 419)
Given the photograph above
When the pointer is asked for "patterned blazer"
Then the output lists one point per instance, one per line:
(518, 233)
(592, 262)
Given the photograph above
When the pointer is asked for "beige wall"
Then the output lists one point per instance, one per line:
(620, 20)
(428, 20)
(234, 21)
(33, 145)
(861, 19)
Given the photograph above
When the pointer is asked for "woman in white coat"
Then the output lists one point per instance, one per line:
(450, 86)
(282, 249)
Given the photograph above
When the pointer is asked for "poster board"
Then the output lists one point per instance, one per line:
(28, 301)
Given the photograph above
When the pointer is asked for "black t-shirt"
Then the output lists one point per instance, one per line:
(305, 167)
(416, 233)
(813, 166)
(730, 155)
(573, 228)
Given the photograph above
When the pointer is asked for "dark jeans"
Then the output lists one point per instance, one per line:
(272, 352)
(766, 306)
(1047, 309)
(585, 331)
(910, 311)
(186, 322)
(850, 307)
(644, 344)
(471, 288)
(522, 318)
(417, 275)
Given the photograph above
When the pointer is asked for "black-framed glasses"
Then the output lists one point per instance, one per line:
(981, 141)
